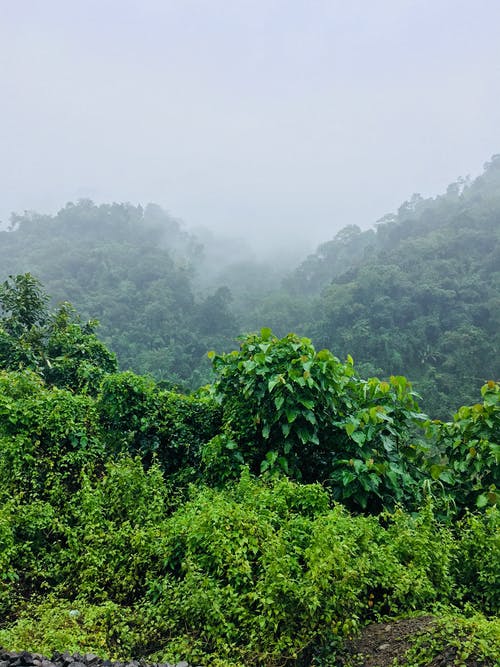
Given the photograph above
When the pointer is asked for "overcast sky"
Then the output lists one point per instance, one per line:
(259, 117)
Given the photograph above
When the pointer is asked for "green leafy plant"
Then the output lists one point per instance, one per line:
(291, 410)
(466, 452)
(47, 435)
(456, 641)
(56, 345)
(476, 563)
(139, 418)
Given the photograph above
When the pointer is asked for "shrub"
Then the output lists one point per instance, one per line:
(477, 560)
(46, 436)
(291, 410)
(455, 641)
(139, 418)
(466, 457)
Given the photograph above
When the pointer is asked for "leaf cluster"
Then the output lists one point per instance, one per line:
(291, 410)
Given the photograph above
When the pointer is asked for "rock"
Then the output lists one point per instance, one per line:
(66, 659)
(58, 659)
(90, 659)
(383, 647)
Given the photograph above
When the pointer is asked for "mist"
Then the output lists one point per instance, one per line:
(280, 122)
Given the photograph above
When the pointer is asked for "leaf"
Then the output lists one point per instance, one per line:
(446, 477)
(359, 437)
(347, 477)
(271, 456)
(482, 500)
(272, 383)
(311, 417)
(358, 465)
(436, 471)
(304, 435)
(283, 463)
(388, 443)
(266, 333)
(350, 427)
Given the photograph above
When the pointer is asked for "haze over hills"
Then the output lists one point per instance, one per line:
(418, 295)
(249, 382)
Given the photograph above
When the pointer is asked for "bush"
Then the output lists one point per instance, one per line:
(456, 641)
(51, 624)
(139, 418)
(477, 560)
(291, 410)
(256, 573)
(46, 436)
(466, 457)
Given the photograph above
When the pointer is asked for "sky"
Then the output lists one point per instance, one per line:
(278, 120)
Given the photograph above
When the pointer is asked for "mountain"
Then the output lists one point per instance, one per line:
(417, 295)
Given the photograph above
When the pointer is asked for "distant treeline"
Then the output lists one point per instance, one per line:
(417, 295)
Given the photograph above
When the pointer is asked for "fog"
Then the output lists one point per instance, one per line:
(280, 121)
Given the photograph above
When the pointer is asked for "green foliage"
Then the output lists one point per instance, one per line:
(76, 358)
(101, 551)
(255, 573)
(139, 418)
(467, 451)
(133, 269)
(23, 304)
(456, 641)
(47, 435)
(8, 550)
(50, 624)
(418, 295)
(477, 560)
(57, 346)
(291, 410)
(110, 524)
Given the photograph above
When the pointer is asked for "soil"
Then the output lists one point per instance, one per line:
(381, 643)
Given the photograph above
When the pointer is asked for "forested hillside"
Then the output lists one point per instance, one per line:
(132, 269)
(417, 295)
(264, 520)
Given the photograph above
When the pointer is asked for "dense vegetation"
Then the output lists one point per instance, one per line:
(260, 521)
(416, 296)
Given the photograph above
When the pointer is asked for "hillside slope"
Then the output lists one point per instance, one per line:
(420, 295)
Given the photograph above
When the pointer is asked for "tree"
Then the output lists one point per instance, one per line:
(23, 304)
(56, 345)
